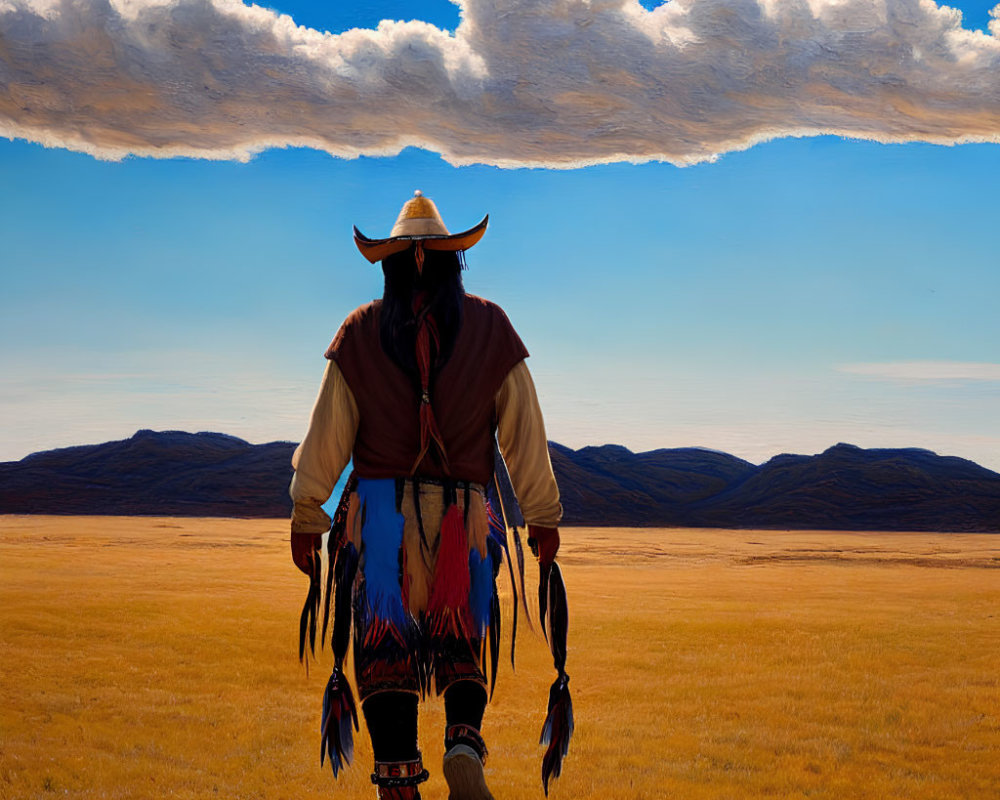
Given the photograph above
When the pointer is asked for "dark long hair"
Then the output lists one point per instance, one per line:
(441, 280)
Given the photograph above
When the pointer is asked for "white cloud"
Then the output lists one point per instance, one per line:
(926, 371)
(555, 83)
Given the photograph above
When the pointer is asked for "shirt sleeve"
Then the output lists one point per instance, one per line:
(521, 435)
(323, 454)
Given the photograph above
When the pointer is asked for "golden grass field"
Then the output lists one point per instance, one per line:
(156, 657)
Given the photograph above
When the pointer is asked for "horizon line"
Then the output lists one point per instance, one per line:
(550, 442)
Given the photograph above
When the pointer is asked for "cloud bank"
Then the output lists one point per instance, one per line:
(554, 83)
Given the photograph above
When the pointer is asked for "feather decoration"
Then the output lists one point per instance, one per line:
(347, 568)
(558, 619)
(508, 499)
(498, 534)
(339, 709)
(494, 641)
(382, 537)
(335, 541)
(510, 511)
(310, 609)
(557, 730)
(354, 517)
(554, 619)
(558, 727)
(448, 604)
(339, 713)
(520, 569)
(481, 590)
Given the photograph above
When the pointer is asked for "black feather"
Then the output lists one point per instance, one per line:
(336, 539)
(498, 531)
(557, 730)
(339, 713)
(520, 569)
(494, 641)
(347, 567)
(307, 619)
(558, 727)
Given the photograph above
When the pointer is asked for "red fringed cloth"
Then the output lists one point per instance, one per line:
(448, 606)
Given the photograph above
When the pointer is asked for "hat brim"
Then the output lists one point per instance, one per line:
(377, 249)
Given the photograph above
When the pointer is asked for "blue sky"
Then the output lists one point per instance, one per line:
(781, 298)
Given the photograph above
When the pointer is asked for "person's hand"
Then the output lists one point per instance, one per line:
(544, 543)
(305, 548)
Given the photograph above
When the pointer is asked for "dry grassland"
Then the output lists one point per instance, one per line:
(155, 658)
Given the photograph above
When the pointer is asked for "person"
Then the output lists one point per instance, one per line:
(419, 388)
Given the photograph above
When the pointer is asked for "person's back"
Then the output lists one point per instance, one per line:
(418, 387)
(463, 388)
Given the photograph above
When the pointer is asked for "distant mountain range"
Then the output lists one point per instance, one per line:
(172, 473)
(168, 473)
(843, 488)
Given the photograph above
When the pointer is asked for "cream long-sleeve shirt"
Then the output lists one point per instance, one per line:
(326, 450)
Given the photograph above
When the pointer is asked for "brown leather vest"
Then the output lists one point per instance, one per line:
(463, 394)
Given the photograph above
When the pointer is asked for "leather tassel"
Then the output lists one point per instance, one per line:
(543, 597)
(339, 713)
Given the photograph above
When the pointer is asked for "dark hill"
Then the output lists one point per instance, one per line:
(168, 473)
(848, 488)
(611, 485)
(845, 488)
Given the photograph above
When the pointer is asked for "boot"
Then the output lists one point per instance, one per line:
(465, 754)
(398, 780)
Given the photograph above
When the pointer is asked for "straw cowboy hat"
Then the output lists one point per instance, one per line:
(420, 222)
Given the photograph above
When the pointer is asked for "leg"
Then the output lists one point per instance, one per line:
(392, 724)
(464, 703)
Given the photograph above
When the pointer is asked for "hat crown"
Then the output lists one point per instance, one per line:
(419, 221)
(419, 217)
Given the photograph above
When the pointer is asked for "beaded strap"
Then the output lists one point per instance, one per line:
(388, 774)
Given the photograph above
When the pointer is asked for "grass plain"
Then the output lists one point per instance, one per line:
(156, 657)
